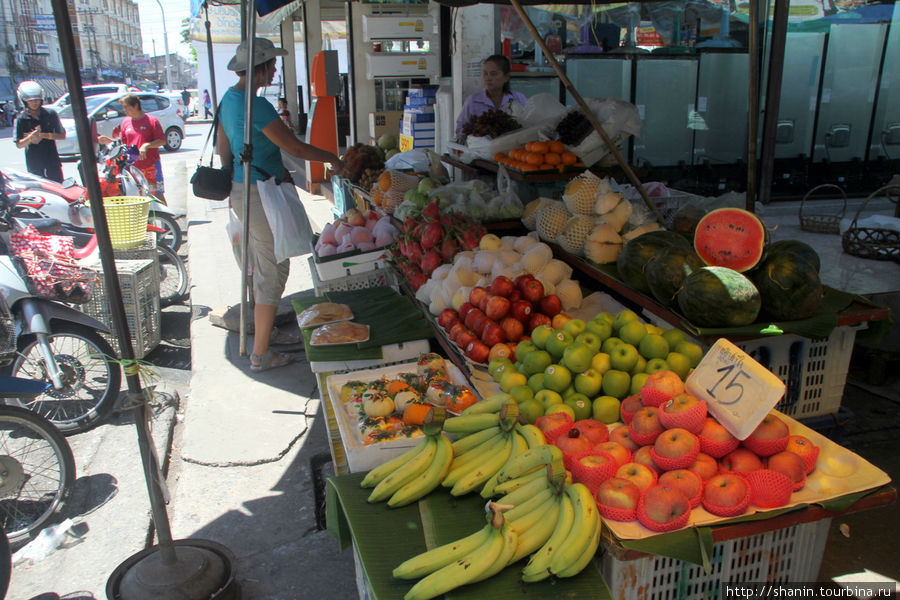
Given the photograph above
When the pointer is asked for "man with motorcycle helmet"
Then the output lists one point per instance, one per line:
(37, 129)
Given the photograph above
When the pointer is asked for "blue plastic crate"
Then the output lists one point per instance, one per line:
(833, 425)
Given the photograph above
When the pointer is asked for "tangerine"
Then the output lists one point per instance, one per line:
(529, 146)
(540, 147)
(552, 158)
(546, 167)
(534, 158)
(568, 158)
(557, 146)
(499, 157)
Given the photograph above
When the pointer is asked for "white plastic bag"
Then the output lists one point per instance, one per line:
(287, 218)
(417, 160)
(235, 232)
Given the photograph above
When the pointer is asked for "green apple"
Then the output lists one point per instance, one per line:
(679, 363)
(568, 392)
(577, 357)
(557, 378)
(601, 362)
(524, 348)
(591, 340)
(623, 317)
(599, 327)
(548, 398)
(588, 382)
(623, 357)
(605, 316)
(522, 393)
(563, 408)
(541, 334)
(673, 336)
(637, 382)
(536, 382)
(580, 404)
(653, 346)
(609, 344)
(575, 327)
(497, 366)
(557, 343)
(639, 366)
(656, 364)
(605, 409)
(536, 362)
(616, 383)
(633, 332)
(531, 411)
(691, 350)
(511, 379)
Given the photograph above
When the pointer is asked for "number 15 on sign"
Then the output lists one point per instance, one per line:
(738, 391)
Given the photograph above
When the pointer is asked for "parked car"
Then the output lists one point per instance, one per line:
(176, 99)
(93, 90)
(108, 113)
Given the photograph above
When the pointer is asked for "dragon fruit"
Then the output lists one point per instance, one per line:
(432, 235)
(431, 260)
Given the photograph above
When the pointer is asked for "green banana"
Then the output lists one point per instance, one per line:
(588, 554)
(579, 538)
(461, 571)
(429, 479)
(538, 567)
(375, 476)
(471, 423)
(510, 543)
(466, 443)
(512, 485)
(533, 435)
(405, 473)
(536, 528)
(491, 404)
(531, 458)
(519, 446)
(441, 556)
(520, 510)
(471, 459)
(526, 491)
(482, 472)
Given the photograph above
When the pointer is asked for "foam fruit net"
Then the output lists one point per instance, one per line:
(769, 489)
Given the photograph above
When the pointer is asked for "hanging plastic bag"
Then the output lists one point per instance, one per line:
(287, 218)
(235, 232)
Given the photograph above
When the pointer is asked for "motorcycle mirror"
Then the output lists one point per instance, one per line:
(68, 182)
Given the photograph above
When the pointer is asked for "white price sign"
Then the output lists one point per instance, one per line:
(739, 391)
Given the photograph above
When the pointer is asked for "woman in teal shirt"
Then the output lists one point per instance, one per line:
(270, 136)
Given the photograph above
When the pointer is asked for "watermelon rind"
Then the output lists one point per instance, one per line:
(719, 297)
(731, 237)
(636, 253)
(803, 250)
(789, 287)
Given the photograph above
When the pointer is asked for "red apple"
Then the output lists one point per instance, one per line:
(464, 310)
(630, 405)
(664, 504)
(640, 474)
(447, 318)
(679, 403)
(466, 337)
(788, 463)
(515, 296)
(513, 328)
(537, 319)
(550, 305)
(551, 421)
(521, 310)
(573, 443)
(715, 431)
(645, 424)
(497, 307)
(616, 450)
(685, 480)
(619, 493)
(642, 456)
(622, 436)
(478, 352)
(595, 431)
(705, 466)
(740, 460)
(518, 281)
(492, 334)
(482, 304)
(471, 316)
(502, 286)
(676, 443)
(771, 428)
(660, 386)
(532, 290)
(455, 329)
(725, 490)
(477, 294)
(805, 449)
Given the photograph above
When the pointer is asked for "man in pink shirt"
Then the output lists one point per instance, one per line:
(144, 132)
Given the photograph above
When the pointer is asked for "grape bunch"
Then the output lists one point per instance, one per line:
(369, 177)
(573, 128)
(358, 158)
(491, 124)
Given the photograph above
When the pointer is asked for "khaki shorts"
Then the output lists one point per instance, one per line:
(269, 277)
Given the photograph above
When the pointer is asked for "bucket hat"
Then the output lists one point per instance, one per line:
(263, 52)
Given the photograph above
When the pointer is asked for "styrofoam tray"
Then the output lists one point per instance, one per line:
(838, 472)
(362, 457)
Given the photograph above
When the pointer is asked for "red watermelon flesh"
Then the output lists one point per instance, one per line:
(732, 238)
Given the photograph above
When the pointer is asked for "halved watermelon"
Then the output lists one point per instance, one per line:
(732, 238)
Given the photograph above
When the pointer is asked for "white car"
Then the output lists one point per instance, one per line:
(93, 90)
(108, 113)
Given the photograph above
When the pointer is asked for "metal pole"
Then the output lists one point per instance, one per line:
(152, 473)
(753, 106)
(773, 98)
(209, 52)
(247, 159)
(166, 42)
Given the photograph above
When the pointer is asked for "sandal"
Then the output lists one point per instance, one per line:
(269, 360)
(284, 338)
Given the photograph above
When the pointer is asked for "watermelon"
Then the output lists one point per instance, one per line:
(685, 219)
(789, 286)
(718, 297)
(803, 250)
(667, 269)
(730, 237)
(636, 253)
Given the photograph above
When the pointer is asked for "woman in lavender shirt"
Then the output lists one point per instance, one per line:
(495, 95)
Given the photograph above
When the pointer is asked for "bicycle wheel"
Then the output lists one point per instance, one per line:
(172, 276)
(171, 232)
(90, 377)
(37, 472)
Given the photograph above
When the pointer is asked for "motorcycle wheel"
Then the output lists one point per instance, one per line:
(171, 235)
(38, 473)
(172, 276)
(91, 377)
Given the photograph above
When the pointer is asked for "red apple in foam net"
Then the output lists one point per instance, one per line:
(740, 460)
(622, 436)
(642, 475)
(679, 403)
(596, 461)
(664, 382)
(715, 431)
(642, 456)
(675, 443)
(573, 442)
(788, 463)
(769, 437)
(551, 421)
(619, 493)
(632, 403)
(663, 503)
(520, 310)
(616, 450)
(502, 286)
(805, 449)
(725, 490)
(477, 294)
(705, 466)
(497, 307)
(646, 421)
(595, 431)
(688, 482)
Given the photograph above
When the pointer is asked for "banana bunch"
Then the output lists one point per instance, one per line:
(412, 475)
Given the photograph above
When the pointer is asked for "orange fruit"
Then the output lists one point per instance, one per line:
(546, 167)
(557, 147)
(552, 158)
(568, 158)
(499, 156)
(500, 350)
(534, 159)
(539, 147)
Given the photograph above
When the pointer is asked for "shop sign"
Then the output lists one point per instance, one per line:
(42, 49)
(44, 23)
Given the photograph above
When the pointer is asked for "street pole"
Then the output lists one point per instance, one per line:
(166, 42)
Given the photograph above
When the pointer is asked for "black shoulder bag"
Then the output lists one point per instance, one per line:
(207, 181)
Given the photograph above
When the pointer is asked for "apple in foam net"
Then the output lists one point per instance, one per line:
(687, 481)
(788, 463)
(646, 421)
(665, 381)
(642, 456)
(771, 428)
(616, 450)
(622, 436)
(715, 431)
(664, 503)
(740, 460)
(502, 286)
(619, 493)
(632, 403)
(595, 431)
(497, 307)
(642, 475)
(594, 461)
(725, 490)
(705, 466)
(521, 310)
(551, 421)
(680, 403)
(573, 443)
(675, 443)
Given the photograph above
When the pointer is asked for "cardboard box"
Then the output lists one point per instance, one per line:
(419, 100)
(418, 130)
(429, 91)
(384, 122)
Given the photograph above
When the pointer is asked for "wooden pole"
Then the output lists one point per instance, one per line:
(753, 107)
(587, 111)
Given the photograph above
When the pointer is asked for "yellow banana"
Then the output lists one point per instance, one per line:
(519, 446)
(583, 528)
(429, 479)
(520, 510)
(491, 404)
(461, 571)
(471, 423)
(375, 476)
(471, 459)
(483, 471)
(528, 460)
(533, 435)
(538, 567)
(510, 543)
(535, 528)
(441, 556)
(471, 441)
(588, 554)
(405, 473)
(512, 485)
(527, 491)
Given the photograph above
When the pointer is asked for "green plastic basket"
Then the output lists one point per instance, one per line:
(126, 218)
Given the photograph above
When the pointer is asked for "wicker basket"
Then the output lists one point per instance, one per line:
(874, 242)
(827, 223)
(126, 218)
